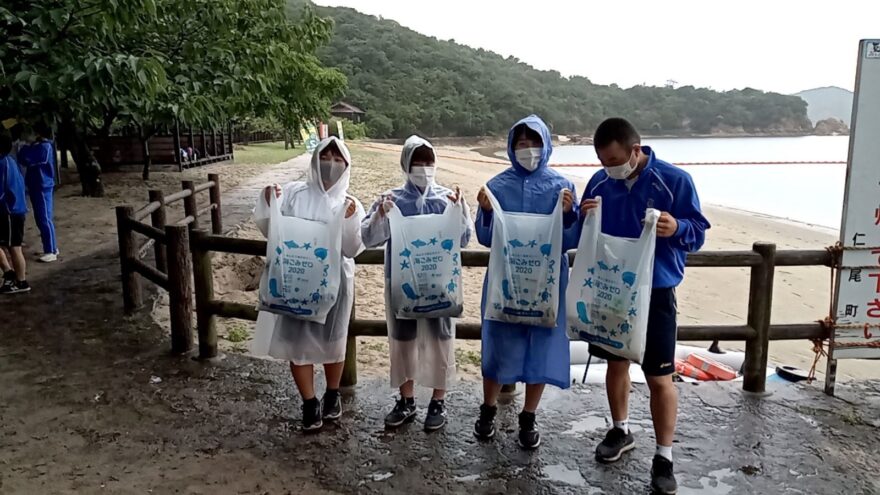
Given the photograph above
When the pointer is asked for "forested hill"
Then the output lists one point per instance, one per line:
(408, 82)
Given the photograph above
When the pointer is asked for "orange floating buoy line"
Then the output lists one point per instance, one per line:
(685, 164)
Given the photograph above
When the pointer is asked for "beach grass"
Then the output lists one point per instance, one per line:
(268, 153)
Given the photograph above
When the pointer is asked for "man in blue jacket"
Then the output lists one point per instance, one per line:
(632, 180)
(12, 213)
(38, 159)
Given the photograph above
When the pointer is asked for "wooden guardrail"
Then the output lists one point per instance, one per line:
(756, 331)
(183, 248)
(170, 244)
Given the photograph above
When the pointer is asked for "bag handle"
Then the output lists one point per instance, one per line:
(650, 224)
(496, 206)
(557, 210)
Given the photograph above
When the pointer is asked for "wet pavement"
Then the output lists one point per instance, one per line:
(91, 402)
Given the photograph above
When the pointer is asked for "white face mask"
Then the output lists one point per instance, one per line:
(331, 170)
(529, 158)
(622, 171)
(422, 177)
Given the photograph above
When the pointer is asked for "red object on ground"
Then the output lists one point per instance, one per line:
(686, 369)
(717, 370)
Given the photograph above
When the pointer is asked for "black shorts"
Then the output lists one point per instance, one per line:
(11, 230)
(662, 332)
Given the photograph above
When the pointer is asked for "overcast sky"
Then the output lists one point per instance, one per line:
(773, 45)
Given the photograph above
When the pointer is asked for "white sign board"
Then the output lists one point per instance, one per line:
(857, 307)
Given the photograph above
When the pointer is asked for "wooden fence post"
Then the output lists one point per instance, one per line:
(222, 144)
(189, 204)
(158, 220)
(177, 158)
(179, 289)
(349, 369)
(214, 196)
(760, 304)
(214, 142)
(231, 142)
(131, 285)
(204, 150)
(203, 280)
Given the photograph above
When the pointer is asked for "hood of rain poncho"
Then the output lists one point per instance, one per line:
(534, 123)
(337, 192)
(410, 191)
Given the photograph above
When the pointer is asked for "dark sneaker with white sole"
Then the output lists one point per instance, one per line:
(529, 437)
(662, 477)
(616, 443)
(331, 405)
(312, 415)
(404, 412)
(15, 288)
(436, 417)
(484, 428)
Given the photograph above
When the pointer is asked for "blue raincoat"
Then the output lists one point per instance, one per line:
(421, 350)
(521, 353)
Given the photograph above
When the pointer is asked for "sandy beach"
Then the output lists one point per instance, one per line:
(709, 296)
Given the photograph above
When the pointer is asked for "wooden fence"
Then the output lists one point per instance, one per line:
(170, 243)
(174, 245)
(164, 149)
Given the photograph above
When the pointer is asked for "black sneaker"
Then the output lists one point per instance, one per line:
(331, 405)
(662, 477)
(404, 412)
(436, 417)
(615, 444)
(484, 428)
(312, 415)
(529, 437)
(15, 288)
(8, 277)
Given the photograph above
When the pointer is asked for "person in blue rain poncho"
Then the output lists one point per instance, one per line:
(421, 350)
(38, 160)
(521, 353)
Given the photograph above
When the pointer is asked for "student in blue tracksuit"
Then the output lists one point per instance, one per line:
(632, 180)
(13, 209)
(515, 353)
(38, 159)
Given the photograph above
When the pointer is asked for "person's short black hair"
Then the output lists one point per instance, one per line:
(523, 129)
(616, 130)
(5, 143)
(424, 154)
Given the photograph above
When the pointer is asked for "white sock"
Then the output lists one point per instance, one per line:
(665, 451)
(623, 425)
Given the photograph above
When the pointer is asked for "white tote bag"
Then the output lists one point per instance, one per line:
(524, 266)
(426, 264)
(609, 292)
(303, 263)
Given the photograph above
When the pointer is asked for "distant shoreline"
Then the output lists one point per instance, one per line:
(482, 143)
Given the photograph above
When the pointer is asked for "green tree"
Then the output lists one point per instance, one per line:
(90, 64)
(442, 88)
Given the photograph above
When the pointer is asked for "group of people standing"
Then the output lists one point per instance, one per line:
(631, 180)
(27, 169)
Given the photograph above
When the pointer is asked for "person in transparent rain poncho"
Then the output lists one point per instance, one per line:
(303, 343)
(421, 350)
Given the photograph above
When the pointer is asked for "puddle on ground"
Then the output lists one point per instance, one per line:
(466, 479)
(713, 483)
(560, 473)
(379, 476)
(587, 424)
